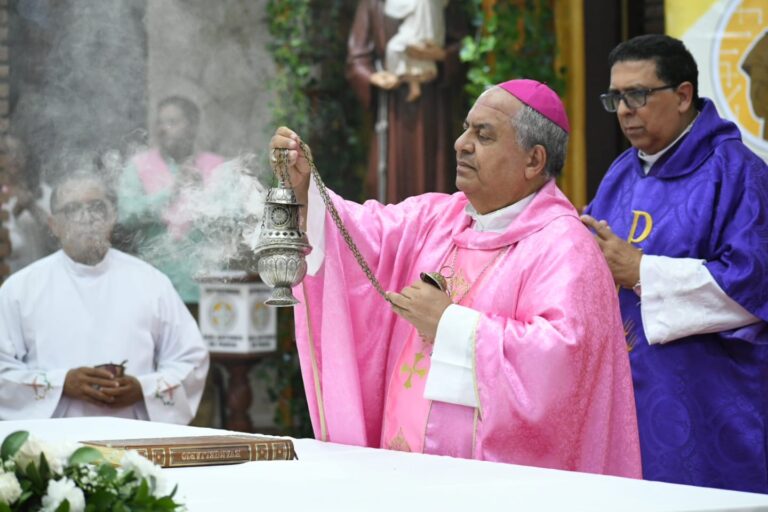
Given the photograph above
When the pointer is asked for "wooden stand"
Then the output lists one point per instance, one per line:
(237, 396)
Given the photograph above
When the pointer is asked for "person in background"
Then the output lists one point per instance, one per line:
(519, 357)
(155, 192)
(26, 205)
(92, 331)
(682, 218)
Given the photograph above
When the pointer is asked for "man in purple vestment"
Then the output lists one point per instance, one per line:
(682, 218)
(521, 359)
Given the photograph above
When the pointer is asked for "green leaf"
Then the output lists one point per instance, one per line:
(85, 455)
(143, 492)
(64, 507)
(34, 476)
(4, 507)
(44, 469)
(13, 443)
(24, 496)
(107, 472)
(101, 500)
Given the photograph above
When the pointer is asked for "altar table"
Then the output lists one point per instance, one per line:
(337, 477)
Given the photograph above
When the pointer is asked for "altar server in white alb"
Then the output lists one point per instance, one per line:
(89, 305)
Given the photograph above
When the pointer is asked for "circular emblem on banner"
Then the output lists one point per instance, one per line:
(222, 314)
(260, 316)
(740, 69)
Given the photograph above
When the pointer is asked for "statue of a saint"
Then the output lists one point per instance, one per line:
(421, 98)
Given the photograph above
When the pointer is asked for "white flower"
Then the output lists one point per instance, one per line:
(60, 490)
(58, 454)
(29, 452)
(144, 468)
(55, 454)
(10, 490)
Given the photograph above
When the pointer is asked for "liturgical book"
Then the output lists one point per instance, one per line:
(176, 452)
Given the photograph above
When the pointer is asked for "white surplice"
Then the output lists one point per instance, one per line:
(57, 314)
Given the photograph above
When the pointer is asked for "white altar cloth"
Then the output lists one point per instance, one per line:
(336, 477)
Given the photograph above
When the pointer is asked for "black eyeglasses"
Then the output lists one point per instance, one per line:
(96, 209)
(634, 98)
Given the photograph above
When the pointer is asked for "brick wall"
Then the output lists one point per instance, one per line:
(4, 123)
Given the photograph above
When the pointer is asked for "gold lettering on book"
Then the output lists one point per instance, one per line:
(201, 450)
(195, 455)
(190, 455)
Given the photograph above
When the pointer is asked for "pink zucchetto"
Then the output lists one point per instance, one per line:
(540, 98)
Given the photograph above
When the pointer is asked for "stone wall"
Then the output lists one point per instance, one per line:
(78, 78)
(4, 124)
(215, 54)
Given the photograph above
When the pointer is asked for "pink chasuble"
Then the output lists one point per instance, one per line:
(156, 177)
(551, 368)
(407, 411)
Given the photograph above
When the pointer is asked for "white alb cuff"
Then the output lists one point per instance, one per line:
(315, 229)
(680, 298)
(451, 373)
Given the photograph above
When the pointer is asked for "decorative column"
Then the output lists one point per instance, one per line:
(569, 27)
(5, 244)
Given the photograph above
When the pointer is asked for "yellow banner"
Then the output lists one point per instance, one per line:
(729, 40)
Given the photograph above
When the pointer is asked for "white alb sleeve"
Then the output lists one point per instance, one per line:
(172, 392)
(451, 374)
(315, 229)
(26, 392)
(680, 298)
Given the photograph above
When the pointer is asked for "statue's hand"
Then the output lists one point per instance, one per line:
(298, 167)
(426, 51)
(384, 80)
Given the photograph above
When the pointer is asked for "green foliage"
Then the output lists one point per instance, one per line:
(517, 40)
(85, 455)
(12, 444)
(311, 95)
(28, 475)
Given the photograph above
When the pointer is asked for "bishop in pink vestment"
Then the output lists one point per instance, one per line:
(542, 377)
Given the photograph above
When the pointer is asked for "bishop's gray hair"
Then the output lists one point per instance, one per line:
(533, 128)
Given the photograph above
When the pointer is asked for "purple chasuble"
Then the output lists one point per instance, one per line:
(702, 401)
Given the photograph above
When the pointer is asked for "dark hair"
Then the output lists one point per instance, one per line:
(674, 63)
(82, 174)
(190, 109)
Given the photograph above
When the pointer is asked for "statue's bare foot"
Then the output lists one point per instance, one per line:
(414, 90)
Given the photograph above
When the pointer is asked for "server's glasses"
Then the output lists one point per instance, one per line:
(634, 98)
(96, 209)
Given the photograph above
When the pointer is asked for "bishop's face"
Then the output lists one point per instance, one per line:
(82, 220)
(493, 170)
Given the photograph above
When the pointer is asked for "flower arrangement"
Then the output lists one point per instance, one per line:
(73, 478)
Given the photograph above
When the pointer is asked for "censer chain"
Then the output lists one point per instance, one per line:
(339, 224)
